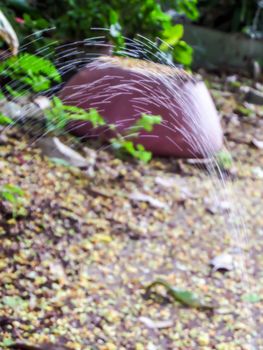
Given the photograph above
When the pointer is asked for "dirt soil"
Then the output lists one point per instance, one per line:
(77, 253)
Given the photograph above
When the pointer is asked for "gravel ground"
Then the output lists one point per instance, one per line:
(78, 253)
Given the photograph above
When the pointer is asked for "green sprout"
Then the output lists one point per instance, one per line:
(15, 196)
(4, 120)
(59, 115)
(224, 160)
(123, 145)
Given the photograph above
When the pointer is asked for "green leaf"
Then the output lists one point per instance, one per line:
(188, 8)
(32, 71)
(122, 147)
(8, 196)
(2, 96)
(14, 195)
(57, 102)
(13, 189)
(37, 83)
(114, 17)
(171, 36)
(21, 211)
(244, 111)
(125, 146)
(183, 53)
(59, 115)
(13, 301)
(142, 154)
(146, 122)
(7, 342)
(224, 160)
(4, 120)
(94, 116)
(128, 146)
(15, 93)
(252, 298)
(157, 15)
(11, 193)
(182, 296)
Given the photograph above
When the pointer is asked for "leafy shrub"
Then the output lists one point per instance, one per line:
(186, 7)
(123, 18)
(28, 72)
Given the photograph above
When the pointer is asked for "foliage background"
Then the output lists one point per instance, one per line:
(123, 19)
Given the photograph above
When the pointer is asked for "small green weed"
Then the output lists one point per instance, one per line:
(124, 145)
(146, 122)
(59, 115)
(4, 120)
(185, 297)
(224, 160)
(16, 196)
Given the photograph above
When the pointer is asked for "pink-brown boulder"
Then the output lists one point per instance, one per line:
(121, 89)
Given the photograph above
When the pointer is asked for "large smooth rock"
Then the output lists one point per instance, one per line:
(121, 89)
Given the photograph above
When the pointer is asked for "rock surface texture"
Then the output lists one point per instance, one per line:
(121, 89)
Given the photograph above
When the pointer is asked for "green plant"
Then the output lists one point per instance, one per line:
(146, 122)
(123, 144)
(122, 147)
(28, 72)
(11, 193)
(224, 160)
(243, 111)
(121, 18)
(6, 342)
(38, 74)
(252, 298)
(185, 297)
(14, 195)
(4, 120)
(59, 115)
(187, 8)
